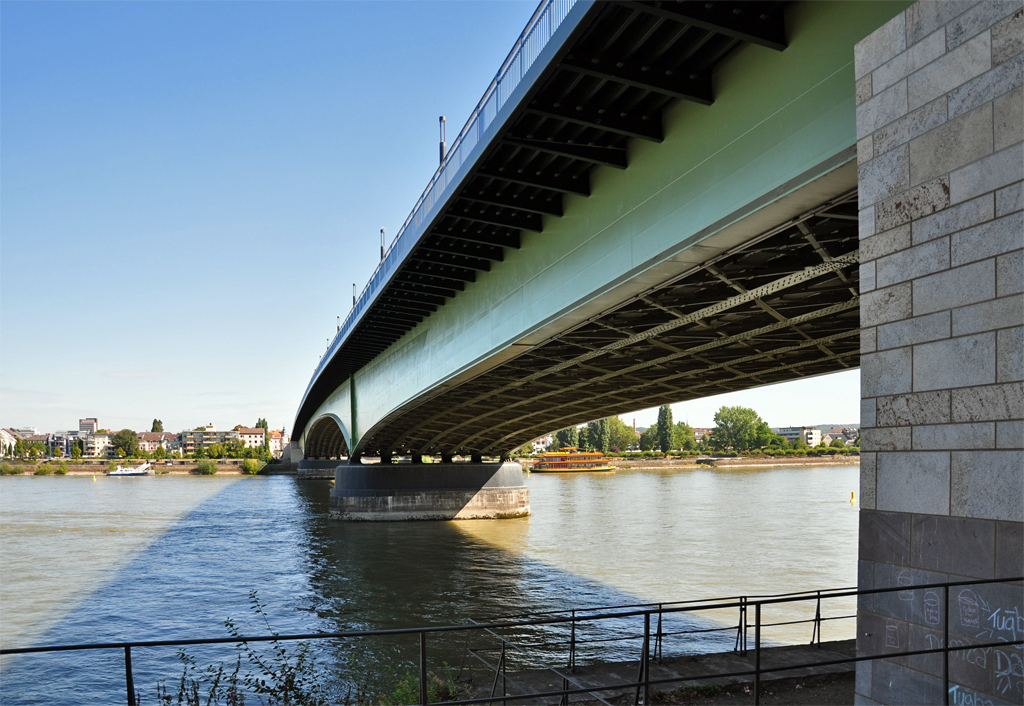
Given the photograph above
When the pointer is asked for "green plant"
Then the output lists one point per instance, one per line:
(275, 675)
(163, 472)
(252, 466)
(7, 469)
(43, 470)
(439, 689)
(206, 467)
(62, 469)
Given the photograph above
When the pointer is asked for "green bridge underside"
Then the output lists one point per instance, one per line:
(723, 258)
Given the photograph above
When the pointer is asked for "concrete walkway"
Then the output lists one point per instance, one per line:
(589, 676)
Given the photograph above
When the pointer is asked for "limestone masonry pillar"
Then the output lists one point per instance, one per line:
(940, 159)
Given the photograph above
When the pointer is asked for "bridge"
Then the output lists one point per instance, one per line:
(657, 201)
(653, 202)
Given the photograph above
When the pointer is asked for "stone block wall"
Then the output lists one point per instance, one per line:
(940, 128)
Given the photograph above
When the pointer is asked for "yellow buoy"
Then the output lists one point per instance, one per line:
(93, 477)
(852, 497)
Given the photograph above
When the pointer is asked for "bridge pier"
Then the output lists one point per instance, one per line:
(940, 126)
(437, 491)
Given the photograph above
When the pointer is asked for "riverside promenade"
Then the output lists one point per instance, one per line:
(682, 668)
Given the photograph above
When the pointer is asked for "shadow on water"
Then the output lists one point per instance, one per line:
(272, 535)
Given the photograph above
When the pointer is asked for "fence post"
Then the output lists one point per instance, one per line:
(424, 698)
(129, 681)
(647, 658)
(757, 653)
(572, 644)
(817, 622)
(945, 644)
(658, 650)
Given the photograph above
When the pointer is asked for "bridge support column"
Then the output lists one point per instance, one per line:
(940, 129)
(438, 491)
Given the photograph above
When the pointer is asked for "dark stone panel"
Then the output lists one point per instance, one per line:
(885, 537)
(1009, 549)
(921, 606)
(880, 635)
(954, 545)
(905, 686)
(865, 581)
(989, 611)
(862, 683)
(1007, 665)
(925, 638)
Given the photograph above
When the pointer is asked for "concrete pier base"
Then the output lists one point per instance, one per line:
(436, 491)
(318, 469)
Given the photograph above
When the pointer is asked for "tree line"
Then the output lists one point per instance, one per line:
(736, 429)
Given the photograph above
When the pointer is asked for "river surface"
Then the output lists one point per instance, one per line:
(85, 560)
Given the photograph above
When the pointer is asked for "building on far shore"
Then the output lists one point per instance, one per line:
(150, 441)
(205, 438)
(89, 425)
(542, 444)
(810, 435)
(277, 441)
(252, 437)
(98, 443)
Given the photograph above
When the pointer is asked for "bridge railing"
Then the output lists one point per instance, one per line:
(646, 628)
(542, 25)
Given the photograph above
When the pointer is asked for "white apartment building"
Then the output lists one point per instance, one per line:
(252, 437)
(810, 435)
(98, 444)
(150, 441)
(277, 440)
(542, 444)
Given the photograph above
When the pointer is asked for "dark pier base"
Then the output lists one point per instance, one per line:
(317, 469)
(434, 491)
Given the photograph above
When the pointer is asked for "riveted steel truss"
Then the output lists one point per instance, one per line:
(783, 306)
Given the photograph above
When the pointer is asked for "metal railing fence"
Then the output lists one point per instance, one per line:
(538, 32)
(574, 618)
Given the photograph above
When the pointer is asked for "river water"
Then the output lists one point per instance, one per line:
(85, 560)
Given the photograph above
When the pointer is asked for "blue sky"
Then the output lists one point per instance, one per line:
(189, 190)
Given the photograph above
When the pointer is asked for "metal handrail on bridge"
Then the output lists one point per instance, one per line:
(643, 682)
(531, 41)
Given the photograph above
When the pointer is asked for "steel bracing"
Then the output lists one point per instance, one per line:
(610, 81)
(783, 306)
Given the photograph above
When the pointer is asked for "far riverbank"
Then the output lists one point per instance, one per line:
(738, 462)
(175, 467)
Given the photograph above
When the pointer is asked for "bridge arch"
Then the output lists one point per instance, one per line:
(327, 438)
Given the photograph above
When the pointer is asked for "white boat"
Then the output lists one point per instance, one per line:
(142, 470)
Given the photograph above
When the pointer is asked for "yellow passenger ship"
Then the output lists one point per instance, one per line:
(571, 460)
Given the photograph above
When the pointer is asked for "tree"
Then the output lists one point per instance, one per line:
(682, 436)
(160, 452)
(76, 449)
(585, 441)
(568, 437)
(649, 438)
(217, 450)
(622, 435)
(158, 426)
(665, 428)
(19, 448)
(740, 428)
(799, 443)
(838, 444)
(262, 423)
(125, 441)
(600, 434)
